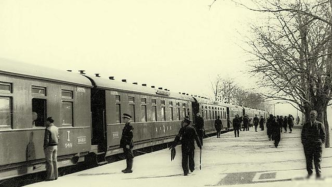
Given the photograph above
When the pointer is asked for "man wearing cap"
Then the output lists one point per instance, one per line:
(126, 143)
(313, 137)
(51, 140)
(189, 135)
(200, 127)
(218, 126)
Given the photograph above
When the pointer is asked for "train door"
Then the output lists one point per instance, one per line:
(98, 109)
(195, 110)
(228, 119)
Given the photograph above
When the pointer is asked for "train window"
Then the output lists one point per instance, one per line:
(206, 114)
(39, 106)
(184, 112)
(154, 101)
(184, 104)
(143, 113)
(117, 98)
(118, 113)
(210, 114)
(39, 90)
(202, 113)
(132, 112)
(216, 115)
(172, 113)
(163, 102)
(5, 87)
(131, 99)
(154, 113)
(5, 112)
(171, 103)
(163, 114)
(143, 100)
(67, 94)
(177, 104)
(179, 114)
(67, 113)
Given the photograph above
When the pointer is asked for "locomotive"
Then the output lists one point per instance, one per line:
(88, 109)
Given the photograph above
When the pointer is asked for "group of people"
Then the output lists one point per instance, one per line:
(237, 121)
(312, 137)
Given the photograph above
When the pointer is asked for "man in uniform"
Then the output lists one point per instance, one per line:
(290, 123)
(126, 143)
(256, 121)
(313, 137)
(236, 125)
(218, 126)
(200, 127)
(188, 135)
(51, 140)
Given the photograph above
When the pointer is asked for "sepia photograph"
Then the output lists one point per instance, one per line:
(167, 93)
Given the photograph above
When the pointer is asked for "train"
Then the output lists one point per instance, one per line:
(88, 109)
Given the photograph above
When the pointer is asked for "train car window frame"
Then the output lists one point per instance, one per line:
(131, 99)
(118, 112)
(171, 113)
(154, 114)
(132, 112)
(42, 91)
(117, 98)
(179, 113)
(163, 110)
(9, 115)
(64, 114)
(4, 85)
(144, 113)
(67, 94)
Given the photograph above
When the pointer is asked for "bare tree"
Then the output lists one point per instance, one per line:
(294, 54)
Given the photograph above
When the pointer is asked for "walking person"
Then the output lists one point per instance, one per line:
(290, 123)
(245, 123)
(51, 140)
(261, 123)
(188, 135)
(256, 121)
(236, 125)
(218, 126)
(200, 127)
(285, 123)
(280, 123)
(269, 126)
(313, 137)
(276, 132)
(126, 143)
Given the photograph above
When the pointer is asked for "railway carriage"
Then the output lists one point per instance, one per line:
(156, 114)
(28, 94)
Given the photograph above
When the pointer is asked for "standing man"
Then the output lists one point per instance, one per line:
(188, 135)
(312, 137)
(51, 140)
(218, 126)
(280, 123)
(285, 124)
(236, 125)
(126, 143)
(200, 127)
(276, 131)
(256, 121)
(269, 126)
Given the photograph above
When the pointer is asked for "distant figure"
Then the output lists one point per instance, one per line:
(290, 123)
(285, 121)
(245, 123)
(51, 140)
(261, 123)
(188, 135)
(269, 126)
(275, 132)
(236, 125)
(218, 126)
(126, 143)
(280, 123)
(200, 127)
(313, 137)
(256, 121)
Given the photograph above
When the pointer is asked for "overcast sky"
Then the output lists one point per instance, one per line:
(176, 44)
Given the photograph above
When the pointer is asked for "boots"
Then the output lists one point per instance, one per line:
(129, 166)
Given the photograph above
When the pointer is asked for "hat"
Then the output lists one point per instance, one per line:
(50, 119)
(186, 119)
(126, 116)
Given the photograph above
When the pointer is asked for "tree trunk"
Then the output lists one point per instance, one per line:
(327, 129)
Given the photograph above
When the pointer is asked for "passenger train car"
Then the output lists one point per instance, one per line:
(88, 109)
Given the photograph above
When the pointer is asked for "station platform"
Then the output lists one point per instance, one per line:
(248, 160)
